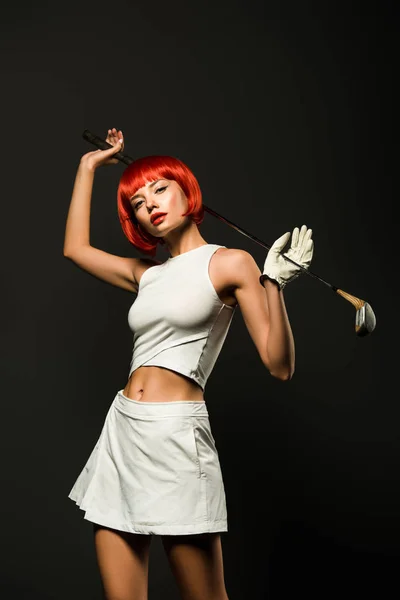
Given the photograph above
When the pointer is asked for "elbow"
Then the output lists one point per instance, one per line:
(283, 371)
(282, 374)
(67, 253)
(285, 376)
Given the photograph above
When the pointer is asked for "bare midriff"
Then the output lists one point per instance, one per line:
(156, 384)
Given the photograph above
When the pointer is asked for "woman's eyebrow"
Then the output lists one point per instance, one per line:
(141, 195)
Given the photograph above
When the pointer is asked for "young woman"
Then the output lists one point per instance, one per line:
(155, 469)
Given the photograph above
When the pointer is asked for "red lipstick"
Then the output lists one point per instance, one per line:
(156, 218)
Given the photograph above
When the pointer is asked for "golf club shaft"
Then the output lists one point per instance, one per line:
(103, 145)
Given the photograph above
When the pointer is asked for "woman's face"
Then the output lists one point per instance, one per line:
(161, 195)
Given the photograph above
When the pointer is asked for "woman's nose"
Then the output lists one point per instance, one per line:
(151, 204)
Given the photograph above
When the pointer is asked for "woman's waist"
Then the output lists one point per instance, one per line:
(159, 384)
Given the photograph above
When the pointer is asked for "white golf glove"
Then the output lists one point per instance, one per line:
(280, 270)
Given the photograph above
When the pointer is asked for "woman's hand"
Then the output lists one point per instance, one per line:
(301, 250)
(97, 158)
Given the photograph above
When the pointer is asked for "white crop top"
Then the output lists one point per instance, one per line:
(177, 319)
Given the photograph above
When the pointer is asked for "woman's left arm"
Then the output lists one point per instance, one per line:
(263, 308)
(280, 351)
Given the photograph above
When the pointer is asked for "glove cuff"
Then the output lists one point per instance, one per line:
(263, 277)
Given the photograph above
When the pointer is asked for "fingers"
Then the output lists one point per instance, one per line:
(300, 237)
(305, 245)
(106, 157)
(302, 234)
(302, 246)
(115, 138)
(308, 252)
(295, 237)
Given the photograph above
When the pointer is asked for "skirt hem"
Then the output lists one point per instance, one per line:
(206, 527)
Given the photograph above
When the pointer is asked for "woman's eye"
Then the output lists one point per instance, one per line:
(160, 189)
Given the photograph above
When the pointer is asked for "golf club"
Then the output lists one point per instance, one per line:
(365, 317)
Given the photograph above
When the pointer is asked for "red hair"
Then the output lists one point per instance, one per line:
(142, 171)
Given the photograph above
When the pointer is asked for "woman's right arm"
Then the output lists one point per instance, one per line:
(116, 270)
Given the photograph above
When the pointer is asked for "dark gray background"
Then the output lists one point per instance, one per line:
(285, 113)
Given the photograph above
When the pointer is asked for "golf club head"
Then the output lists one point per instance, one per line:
(365, 320)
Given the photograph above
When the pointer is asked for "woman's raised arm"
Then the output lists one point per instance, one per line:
(116, 270)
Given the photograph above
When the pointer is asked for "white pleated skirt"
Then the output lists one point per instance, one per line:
(154, 470)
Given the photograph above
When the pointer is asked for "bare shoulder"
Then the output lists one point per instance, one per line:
(233, 253)
(236, 266)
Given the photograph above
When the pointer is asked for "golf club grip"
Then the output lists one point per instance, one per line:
(103, 145)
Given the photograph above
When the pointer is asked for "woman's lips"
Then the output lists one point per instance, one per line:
(159, 219)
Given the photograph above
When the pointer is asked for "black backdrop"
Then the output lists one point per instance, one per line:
(285, 113)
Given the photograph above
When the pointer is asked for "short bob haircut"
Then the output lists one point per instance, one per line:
(142, 171)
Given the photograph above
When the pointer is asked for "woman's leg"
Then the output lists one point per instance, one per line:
(197, 565)
(123, 560)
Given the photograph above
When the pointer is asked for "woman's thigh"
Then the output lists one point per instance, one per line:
(123, 560)
(196, 562)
